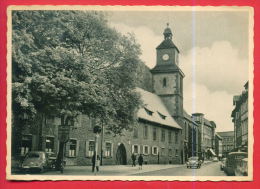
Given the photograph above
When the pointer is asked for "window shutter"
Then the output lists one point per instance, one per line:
(148, 150)
(77, 148)
(139, 149)
(86, 148)
(112, 149)
(132, 148)
(144, 149)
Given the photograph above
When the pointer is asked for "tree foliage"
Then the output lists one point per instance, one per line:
(66, 63)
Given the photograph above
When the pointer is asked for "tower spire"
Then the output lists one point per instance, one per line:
(167, 32)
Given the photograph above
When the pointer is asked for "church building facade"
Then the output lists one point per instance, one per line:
(164, 133)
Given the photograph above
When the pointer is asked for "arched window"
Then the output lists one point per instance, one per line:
(164, 82)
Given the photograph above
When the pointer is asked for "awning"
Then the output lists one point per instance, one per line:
(212, 152)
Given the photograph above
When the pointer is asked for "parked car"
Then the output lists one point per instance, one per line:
(193, 162)
(215, 159)
(35, 160)
(223, 164)
(232, 161)
(242, 167)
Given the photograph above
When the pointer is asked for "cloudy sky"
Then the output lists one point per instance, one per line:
(213, 54)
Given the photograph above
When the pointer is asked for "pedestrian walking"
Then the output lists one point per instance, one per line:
(93, 162)
(140, 161)
(97, 163)
(133, 159)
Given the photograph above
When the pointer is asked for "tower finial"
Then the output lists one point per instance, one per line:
(167, 32)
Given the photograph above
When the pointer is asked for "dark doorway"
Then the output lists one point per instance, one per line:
(121, 155)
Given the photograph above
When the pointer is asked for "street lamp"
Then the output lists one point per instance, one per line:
(97, 131)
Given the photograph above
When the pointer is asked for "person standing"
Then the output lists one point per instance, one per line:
(93, 162)
(133, 159)
(97, 163)
(140, 161)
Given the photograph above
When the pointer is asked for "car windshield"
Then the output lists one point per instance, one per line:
(33, 155)
(193, 158)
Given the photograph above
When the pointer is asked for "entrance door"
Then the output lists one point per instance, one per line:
(121, 155)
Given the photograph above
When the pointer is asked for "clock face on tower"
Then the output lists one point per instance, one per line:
(165, 57)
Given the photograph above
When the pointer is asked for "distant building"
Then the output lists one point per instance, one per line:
(218, 145)
(227, 141)
(191, 136)
(206, 138)
(240, 119)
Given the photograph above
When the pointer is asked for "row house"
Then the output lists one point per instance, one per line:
(218, 145)
(190, 136)
(227, 141)
(240, 119)
(206, 138)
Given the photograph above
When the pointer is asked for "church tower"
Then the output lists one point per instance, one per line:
(167, 76)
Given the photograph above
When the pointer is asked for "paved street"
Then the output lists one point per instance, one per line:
(208, 169)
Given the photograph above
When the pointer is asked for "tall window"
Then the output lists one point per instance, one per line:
(91, 148)
(176, 137)
(164, 82)
(135, 133)
(170, 152)
(170, 137)
(155, 150)
(108, 149)
(154, 134)
(145, 149)
(49, 147)
(163, 151)
(136, 149)
(186, 130)
(26, 144)
(145, 132)
(72, 148)
(163, 135)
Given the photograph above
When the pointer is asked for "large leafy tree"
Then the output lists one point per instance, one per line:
(65, 63)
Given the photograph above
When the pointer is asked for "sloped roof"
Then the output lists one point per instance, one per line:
(154, 104)
(187, 116)
(167, 44)
(218, 135)
(166, 68)
(226, 133)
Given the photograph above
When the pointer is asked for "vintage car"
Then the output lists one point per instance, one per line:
(36, 160)
(232, 161)
(214, 159)
(193, 162)
(223, 164)
(242, 167)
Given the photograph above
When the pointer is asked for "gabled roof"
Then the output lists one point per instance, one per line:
(154, 104)
(167, 44)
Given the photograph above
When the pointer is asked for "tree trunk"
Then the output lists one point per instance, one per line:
(60, 155)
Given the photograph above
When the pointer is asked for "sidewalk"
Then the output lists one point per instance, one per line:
(112, 170)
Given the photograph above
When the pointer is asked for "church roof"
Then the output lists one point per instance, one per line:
(154, 110)
(166, 68)
(167, 44)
